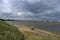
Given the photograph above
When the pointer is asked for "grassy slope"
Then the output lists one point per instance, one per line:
(9, 32)
(33, 36)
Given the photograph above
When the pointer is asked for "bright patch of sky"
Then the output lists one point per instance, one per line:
(6, 6)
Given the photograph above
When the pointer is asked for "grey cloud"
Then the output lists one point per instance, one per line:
(39, 9)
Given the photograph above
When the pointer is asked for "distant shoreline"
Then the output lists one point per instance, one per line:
(48, 26)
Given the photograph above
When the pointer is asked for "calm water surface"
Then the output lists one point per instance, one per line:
(48, 26)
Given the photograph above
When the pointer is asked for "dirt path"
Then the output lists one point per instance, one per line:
(23, 28)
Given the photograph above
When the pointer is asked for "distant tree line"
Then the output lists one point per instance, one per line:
(2, 19)
(7, 19)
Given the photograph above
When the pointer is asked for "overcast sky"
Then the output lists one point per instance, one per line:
(30, 9)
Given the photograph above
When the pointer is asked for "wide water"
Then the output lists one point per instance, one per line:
(48, 26)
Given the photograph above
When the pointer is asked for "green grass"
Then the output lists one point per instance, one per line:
(33, 36)
(9, 32)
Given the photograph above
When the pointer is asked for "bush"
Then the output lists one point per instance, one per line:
(32, 28)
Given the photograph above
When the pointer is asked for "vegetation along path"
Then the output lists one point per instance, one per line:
(43, 33)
